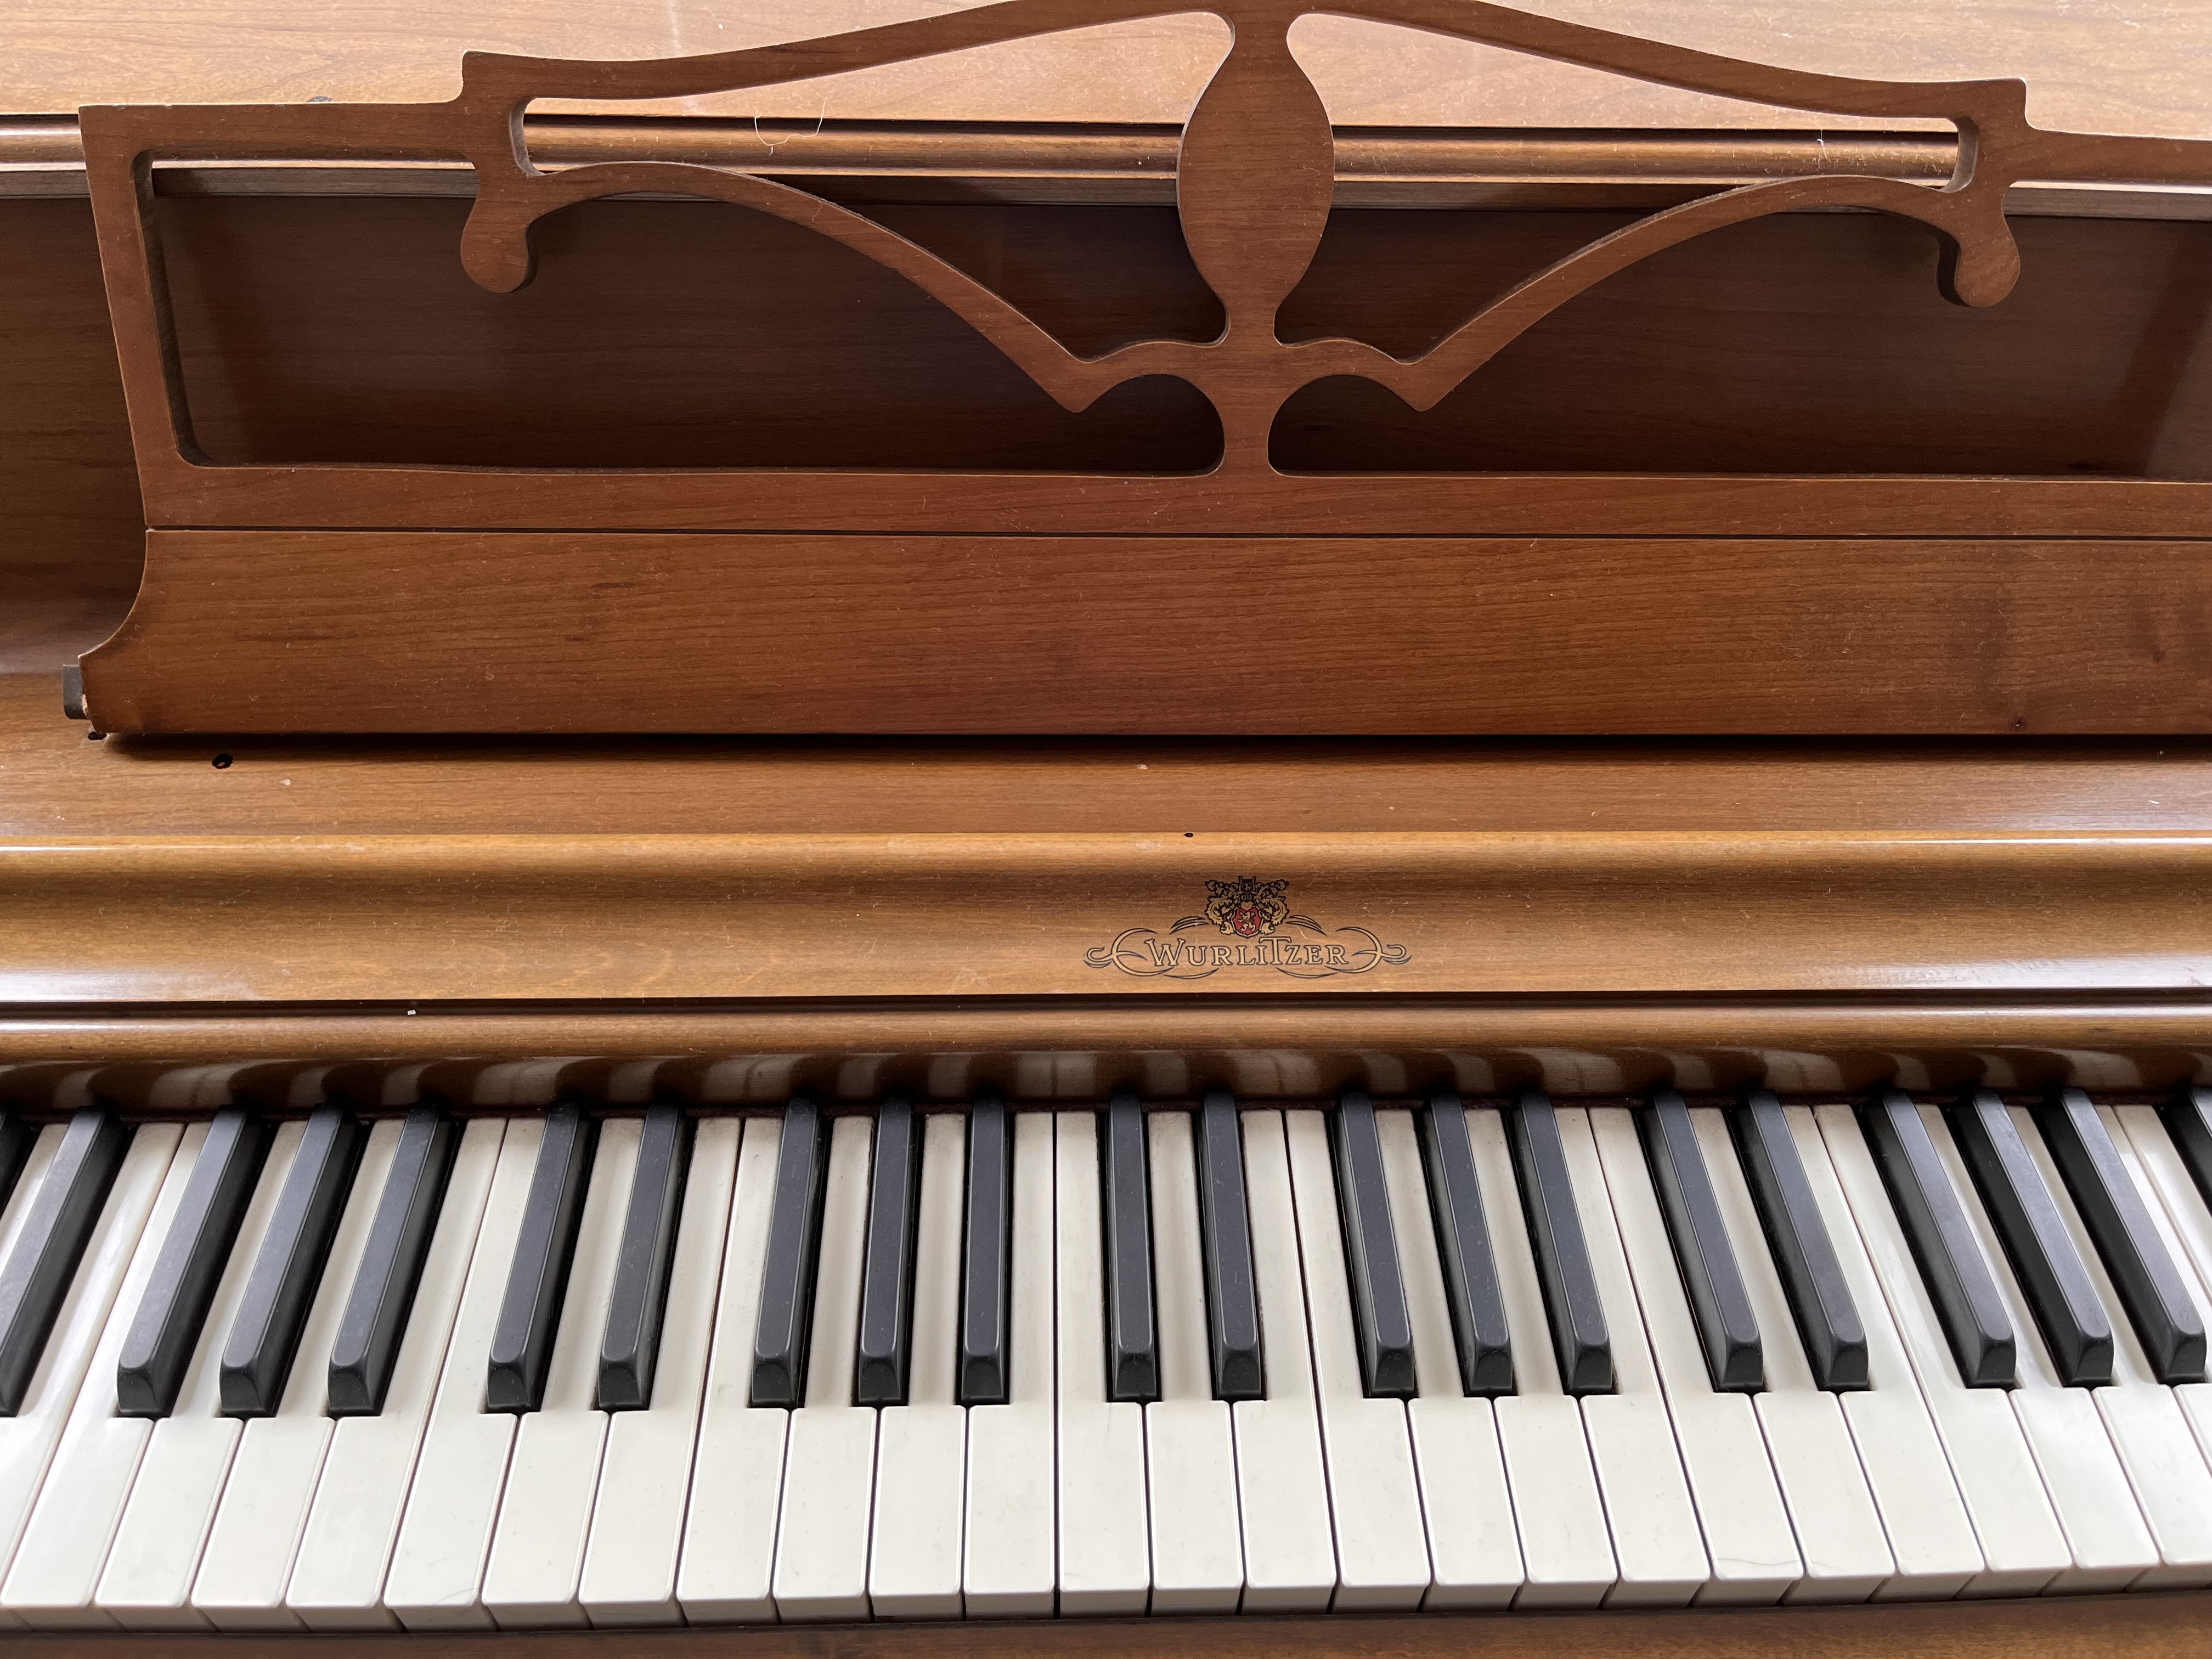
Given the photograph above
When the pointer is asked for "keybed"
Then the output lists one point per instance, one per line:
(979, 1361)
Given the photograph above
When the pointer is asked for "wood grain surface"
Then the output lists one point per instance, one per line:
(280, 631)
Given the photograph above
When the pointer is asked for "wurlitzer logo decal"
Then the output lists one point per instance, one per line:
(1256, 917)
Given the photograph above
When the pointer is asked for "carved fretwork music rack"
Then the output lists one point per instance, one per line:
(1240, 598)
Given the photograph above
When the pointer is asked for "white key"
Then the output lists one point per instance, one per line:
(2081, 1475)
(2019, 1536)
(829, 1474)
(1566, 1550)
(532, 1578)
(1382, 1543)
(1838, 1530)
(56, 1567)
(1656, 1538)
(1474, 1553)
(922, 1447)
(1290, 1544)
(737, 1473)
(2150, 1423)
(1930, 1539)
(148, 1582)
(1747, 1537)
(337, 1582)
(437, 1568)
(2178, 1211)
(280, 1458)
(637, 1526)
(1009, 1569)
(120, 1239)
(1104, 1538)
(1190, 1450)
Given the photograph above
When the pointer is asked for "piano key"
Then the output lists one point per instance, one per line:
(1930, 1539)
(166, 1328)
(1382, 1543)
(1132, 1364)
(1290, 1544)
(822, 1539)
(2149, 1428)
(339, 1577)
(2180, 1221)
(29, 1437)
(780, 1347)
(922, 1447)
(2053, 1282)
(17, 1138)
(370, 1334)
(629, 1346)
(1753, 1550)
(1804, 1256)
(1476, 1306)
(2144, 1274)
(1190, 1450)
(2189, 1126)
(1007, 1567)
(148, 1581)
(438, 1560)
(280, 1458)
(644, 1480)
(1656, 1535)
(1380, 1326)
(1725, 1329)
(1577, 1317)
(537, 1560)
(2081, 1475)
(537, 1284)
(887, 1285)
(1951, 1266)
(1566, 1551)
(264, 1339)
(1474, 1554)
(1232, 1304)
(40, 1269)
(51, 1583)
(737, 1472)
(986, 1268)
(1832, 1511)
(1104, 1538)
(2022, 1546)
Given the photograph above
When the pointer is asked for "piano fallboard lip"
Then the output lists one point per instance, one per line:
(506, 920)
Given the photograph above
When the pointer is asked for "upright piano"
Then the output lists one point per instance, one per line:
(1237, 862)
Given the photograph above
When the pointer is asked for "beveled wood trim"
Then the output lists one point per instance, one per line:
(2177, 1625)
(516, 918)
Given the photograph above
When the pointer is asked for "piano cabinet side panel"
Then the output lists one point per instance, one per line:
(242, 631)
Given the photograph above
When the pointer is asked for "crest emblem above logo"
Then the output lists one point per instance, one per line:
(1256, 915)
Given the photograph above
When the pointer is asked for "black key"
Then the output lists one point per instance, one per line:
(1727, 1327)
(1804, 1255)
(1958, 1279)
(257, 1359)
(55, 1232)
(1570, 1298)
(167, 1327)
(794, 1234)
(885, 1350)
(16, 1140)
(1382, 1327)
(1133, 1347)
(537, 1282)
(374, 1323)
(2188, 1121)
(2149, 1285)
(1224, 1221)
(986, 1255)
(2051, 1271)
(630, 1344)
(1478, 1308)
